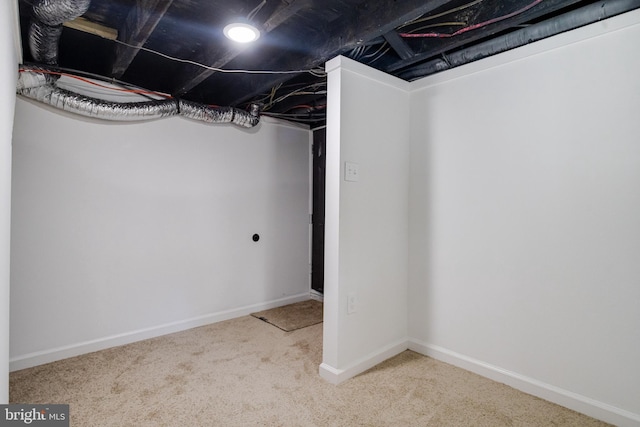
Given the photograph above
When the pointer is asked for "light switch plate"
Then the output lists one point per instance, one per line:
(351, 172)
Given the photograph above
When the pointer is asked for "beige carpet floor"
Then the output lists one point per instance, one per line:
(293, 316)
(245, 372)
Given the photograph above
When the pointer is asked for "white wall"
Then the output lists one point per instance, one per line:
(8, 76)
(125, 231)
(366, 240)
(525, 218)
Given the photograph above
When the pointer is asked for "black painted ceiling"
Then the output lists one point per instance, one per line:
(409, 39)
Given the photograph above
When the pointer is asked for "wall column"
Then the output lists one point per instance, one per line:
(8, 75)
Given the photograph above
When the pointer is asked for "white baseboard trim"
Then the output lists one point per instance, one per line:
(51, 355)
(336, 376)
(316, 295)
(568, 399)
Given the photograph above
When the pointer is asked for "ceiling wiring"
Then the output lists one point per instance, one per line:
(441, 24)
(270, 95)
(282, 98)
(379, 53)
(74, 72)
(309, 114)
(474, 26)
(315, 113)
(304, 117)
(255, 11)
(318, 72)
(298, 92)
(370, 55)
(446, 12)
(313, 107)
(383, 53)
(284, 74)
(274, 90)
(94, 83)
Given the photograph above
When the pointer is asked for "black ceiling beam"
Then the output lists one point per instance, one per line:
(398, 44)
(432, 47)
(217, 57)
(284, 12)
(138, 26)
(363, 26)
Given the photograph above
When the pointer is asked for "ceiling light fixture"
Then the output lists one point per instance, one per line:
(241, 32)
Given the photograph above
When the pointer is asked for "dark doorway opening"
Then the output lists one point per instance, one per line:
(317, 219)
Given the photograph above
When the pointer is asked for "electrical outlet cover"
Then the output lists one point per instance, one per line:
(351, 172)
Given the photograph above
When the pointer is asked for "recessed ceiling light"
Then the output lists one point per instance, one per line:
(241, 32)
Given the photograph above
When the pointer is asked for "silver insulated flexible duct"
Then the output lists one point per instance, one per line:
(105, 110)
(40, 84)
(46, 26)
(191, 110)
(57, 12)
(34, 78)
(43, 42)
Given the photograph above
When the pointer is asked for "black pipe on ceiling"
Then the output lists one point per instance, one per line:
(568, 21)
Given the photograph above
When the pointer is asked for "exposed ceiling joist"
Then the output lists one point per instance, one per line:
(401, 47)
(84, 25)
(284, 12)
(138, 27)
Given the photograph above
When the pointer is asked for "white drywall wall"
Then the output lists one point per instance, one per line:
(123, 231)
(8, 76)
(525, 218)
(366, 246)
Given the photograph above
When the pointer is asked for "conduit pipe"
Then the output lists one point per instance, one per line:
(46, 26)
(569, 21)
